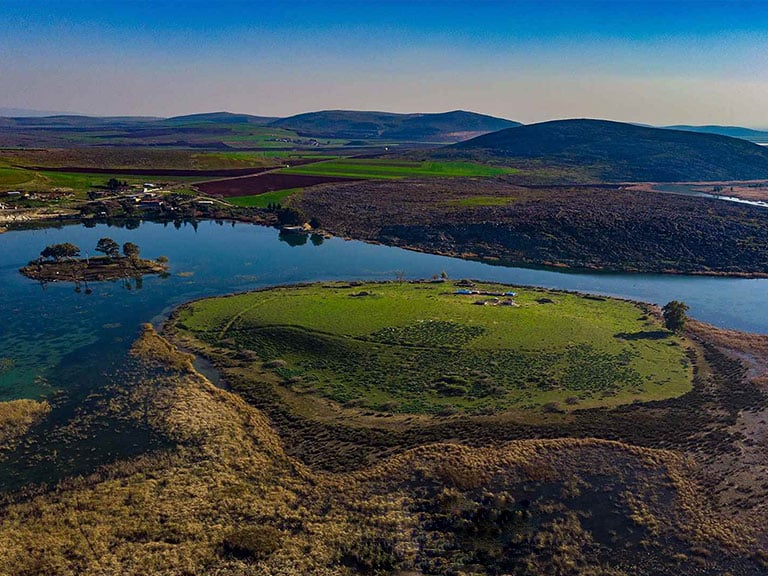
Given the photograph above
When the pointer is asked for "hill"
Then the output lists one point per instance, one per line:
(614, 151)
(77, 121)
(760, 136)
(225, 130)
(17, 112)
(220, 118)
(442, 127)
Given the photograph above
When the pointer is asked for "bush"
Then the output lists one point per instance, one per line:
(370, 554)
(252, 542)
(291, 217)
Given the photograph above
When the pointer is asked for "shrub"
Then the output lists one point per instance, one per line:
(252, 542)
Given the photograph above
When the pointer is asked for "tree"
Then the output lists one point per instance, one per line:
(290, 216)
(675, 315)
(131, 250)
(109, 247)
(59, 251)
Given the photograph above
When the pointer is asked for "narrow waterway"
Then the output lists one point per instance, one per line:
(54, 338)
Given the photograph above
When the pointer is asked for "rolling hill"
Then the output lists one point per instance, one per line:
(614, 151)
(760, 136)
(222, 130)
(442, 127)
(220, 118)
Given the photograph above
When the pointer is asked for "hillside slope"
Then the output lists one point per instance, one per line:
(219, 118)
(615, 151)
(442, 127)
(732, 131)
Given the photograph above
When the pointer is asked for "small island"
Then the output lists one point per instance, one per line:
(62, 263)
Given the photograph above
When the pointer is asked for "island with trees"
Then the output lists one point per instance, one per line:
(63, 263)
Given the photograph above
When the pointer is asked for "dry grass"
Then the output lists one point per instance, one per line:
(153, 349)
(226, 499)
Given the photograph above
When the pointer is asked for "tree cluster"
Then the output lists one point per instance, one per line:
(59, 252)
(106, 246)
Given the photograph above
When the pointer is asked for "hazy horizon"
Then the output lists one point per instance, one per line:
(648, 62)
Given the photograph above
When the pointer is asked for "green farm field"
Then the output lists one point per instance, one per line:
(263, 200)
(420, 348)
(383, 168)
(18, 178)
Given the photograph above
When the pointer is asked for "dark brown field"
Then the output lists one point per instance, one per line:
(253, 185)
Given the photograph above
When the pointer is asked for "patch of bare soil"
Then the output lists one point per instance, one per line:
(269, 182)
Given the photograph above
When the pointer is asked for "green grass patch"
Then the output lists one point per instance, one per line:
(382, 168)
(420, 348)
(484, 201)
(263, 200)
(12, 177)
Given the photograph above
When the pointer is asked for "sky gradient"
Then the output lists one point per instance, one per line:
(693, 62)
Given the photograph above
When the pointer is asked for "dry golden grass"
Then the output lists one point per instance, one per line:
(225, 498)
(153, 349)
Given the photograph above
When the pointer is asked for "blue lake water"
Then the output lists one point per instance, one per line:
(55, 338)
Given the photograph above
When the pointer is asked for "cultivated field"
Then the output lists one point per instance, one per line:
(385, 168)
(261, 184)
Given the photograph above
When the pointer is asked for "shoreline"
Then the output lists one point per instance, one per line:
(95, 269)
(39, 224)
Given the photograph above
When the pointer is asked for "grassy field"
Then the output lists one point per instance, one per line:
(420, 348)
(17, 178)
(382, 168)
(484, 201)
(144, 158)
(263, 200)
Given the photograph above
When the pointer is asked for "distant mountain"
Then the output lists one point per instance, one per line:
(441, 127)
(26, 112)
(220, 118)
(732, 131)
(614, 151)
(224, 129)
(78, 121)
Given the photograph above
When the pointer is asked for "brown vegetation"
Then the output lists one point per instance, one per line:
(578, 227)
(224, 498)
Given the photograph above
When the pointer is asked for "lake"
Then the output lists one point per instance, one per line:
(54, 338)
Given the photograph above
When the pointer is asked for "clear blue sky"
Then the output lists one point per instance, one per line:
(656, 62)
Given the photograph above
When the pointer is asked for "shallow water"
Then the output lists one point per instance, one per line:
(687, 190)
(55, 338)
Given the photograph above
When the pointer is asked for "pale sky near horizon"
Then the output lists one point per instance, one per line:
(657, 62)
